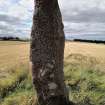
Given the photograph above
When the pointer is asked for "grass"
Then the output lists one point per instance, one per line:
(23, 94)
(10, 79)
(14, 67)
(86, 82)
(83, 67)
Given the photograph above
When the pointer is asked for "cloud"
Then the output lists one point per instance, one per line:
(9, 19)
(85, 28)
(79, 17)
(83, 16)
(91, 15)
(16, 17)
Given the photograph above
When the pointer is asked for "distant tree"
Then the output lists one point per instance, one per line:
(5, 38)
(10, 38)
(47, 53)
(90, 41)
(17, 38)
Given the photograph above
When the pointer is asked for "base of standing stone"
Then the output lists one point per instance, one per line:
(58, 100)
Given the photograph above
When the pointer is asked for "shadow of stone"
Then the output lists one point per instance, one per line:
(55, 102)
(72, 103)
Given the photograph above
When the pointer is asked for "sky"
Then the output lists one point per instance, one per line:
(80, 17)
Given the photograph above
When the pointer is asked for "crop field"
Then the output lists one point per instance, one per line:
(84, 68)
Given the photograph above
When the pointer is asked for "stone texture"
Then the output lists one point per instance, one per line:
(47, 51)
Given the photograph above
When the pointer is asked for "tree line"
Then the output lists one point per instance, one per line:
(90, 41)
(5, 38)
(10, 38)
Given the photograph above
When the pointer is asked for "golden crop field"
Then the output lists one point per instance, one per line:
(13, 53)
(87, 49)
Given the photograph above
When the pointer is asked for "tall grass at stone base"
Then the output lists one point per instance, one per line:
(83, 77)
(24, 94)
(11, 78)
(15, 83)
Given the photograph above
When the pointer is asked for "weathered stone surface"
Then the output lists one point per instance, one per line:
(47, 50)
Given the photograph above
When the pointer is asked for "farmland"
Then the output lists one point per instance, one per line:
(84, 67)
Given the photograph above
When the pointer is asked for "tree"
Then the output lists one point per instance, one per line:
(47, 53)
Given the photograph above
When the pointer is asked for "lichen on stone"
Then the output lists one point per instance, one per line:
(43, 73)
(52, 85)
(50, 65)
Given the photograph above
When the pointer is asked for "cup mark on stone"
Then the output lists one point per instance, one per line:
(52, 86)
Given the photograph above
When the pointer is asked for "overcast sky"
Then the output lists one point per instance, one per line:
(79, 17)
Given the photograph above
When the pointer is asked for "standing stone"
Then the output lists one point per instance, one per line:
(47, 53)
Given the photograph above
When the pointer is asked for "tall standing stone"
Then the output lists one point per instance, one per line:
(47, 53)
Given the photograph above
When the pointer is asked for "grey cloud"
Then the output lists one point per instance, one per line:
(80, 16)
(9, 19)
(12, 26)
(5, 28)
(79, 28)
(90, 15)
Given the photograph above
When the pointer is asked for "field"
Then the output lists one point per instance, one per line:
(84, 67)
